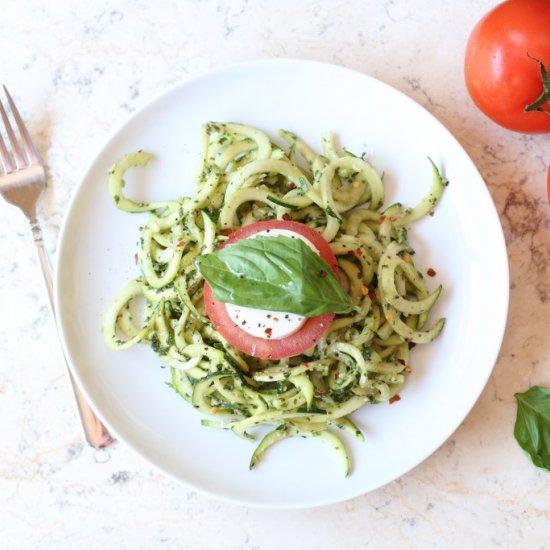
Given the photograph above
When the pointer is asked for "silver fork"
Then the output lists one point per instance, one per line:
(22, 182)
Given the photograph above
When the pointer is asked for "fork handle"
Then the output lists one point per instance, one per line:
(95, 432)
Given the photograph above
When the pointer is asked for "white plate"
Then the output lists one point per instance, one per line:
(463, 242)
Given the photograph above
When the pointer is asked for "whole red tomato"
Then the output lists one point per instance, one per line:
(501, 71)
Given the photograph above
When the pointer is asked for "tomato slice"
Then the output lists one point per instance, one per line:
(262, 348)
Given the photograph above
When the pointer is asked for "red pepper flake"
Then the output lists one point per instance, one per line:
(401, 362)
(181, 243)
(268, 332)
(136, 258)
(291, 186)
(382, 219)
(286, 217)
(226, 231)
(411, 345)
(431, 272)
(372, 295)
(394, 399)
(356, 252)
(322, 273)
(393, 218)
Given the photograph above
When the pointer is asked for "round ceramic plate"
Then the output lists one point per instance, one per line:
(462, 242)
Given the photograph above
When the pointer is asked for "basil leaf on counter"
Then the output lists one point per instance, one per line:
(277, 273)
(532, 428)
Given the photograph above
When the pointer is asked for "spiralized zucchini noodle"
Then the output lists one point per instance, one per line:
(364, 358)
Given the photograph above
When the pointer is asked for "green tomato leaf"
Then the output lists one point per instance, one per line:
(544, 98)
(276, 273)
(532, 428)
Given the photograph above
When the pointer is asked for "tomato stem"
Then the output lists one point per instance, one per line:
(544, 97)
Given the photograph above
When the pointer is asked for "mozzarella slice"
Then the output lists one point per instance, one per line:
(263, 323)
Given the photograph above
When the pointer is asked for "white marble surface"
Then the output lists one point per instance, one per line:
(77, 69)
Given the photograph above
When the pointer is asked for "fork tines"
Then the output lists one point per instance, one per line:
(22, 156)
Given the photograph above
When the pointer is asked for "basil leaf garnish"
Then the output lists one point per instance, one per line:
(532, 428)
(277, 273)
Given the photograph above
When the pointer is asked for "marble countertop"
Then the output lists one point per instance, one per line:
(77, 70)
